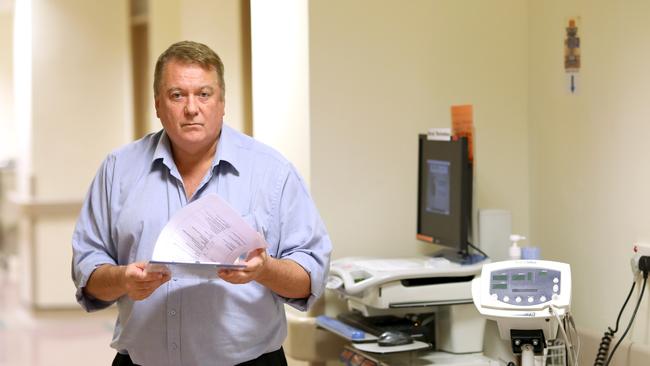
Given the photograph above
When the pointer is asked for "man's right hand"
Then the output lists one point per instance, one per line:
(139, 283)
(110, 282)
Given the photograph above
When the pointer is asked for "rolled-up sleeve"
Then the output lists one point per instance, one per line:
(303, 237)
(91, 240)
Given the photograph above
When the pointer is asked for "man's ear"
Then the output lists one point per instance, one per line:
(156, 103)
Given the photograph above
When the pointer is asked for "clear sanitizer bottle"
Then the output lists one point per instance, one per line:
(515, 250)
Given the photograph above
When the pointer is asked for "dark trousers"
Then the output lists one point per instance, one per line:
(275, 358)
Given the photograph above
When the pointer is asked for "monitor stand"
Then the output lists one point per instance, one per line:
(455, 256)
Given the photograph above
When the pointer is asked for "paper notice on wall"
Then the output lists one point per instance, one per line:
(572, 55)
(206, 230)
(462, 125)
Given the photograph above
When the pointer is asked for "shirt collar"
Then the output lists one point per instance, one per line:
(226, 150)
(164, 151)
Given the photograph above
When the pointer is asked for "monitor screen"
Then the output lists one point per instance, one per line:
(444, 193)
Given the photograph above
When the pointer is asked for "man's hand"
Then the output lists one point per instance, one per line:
(282, 276)
(139, 283)
(255, 262)
(110, 282)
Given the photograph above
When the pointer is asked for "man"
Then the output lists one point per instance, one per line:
(239, 318)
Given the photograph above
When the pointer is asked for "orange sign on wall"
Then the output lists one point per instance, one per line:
(462, 125)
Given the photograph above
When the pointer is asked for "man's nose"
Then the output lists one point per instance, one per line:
(191, 107)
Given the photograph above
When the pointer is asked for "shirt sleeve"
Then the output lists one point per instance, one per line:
(303, 237)
(91, 241)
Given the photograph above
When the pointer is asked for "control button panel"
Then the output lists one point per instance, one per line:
(525, 286)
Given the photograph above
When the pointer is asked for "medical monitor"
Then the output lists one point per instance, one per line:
(444, 195)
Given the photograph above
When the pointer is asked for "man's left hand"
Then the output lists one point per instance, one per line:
(255, 262)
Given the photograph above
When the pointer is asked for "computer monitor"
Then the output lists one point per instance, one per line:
(445, 195)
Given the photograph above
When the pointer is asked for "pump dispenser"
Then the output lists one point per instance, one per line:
(515, 250)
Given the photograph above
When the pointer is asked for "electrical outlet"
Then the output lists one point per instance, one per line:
(640, 249)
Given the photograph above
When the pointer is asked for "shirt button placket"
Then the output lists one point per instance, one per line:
(173, 323)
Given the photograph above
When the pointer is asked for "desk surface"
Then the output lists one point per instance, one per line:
(417, 358)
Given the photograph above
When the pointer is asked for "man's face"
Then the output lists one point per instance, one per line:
(190, 106)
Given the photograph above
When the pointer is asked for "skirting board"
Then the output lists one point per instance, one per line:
(627, 354)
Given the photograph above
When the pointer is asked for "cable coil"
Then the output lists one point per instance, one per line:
(602, 358)
(603, 348)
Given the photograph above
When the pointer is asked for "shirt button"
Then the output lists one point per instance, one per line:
(172, 312)
(174, 346)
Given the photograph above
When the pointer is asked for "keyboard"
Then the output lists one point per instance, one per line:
(344, 330)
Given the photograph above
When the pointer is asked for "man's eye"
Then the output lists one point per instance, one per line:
(205, 94)
(176, 95)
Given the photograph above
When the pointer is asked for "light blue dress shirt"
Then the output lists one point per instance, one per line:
(197, 322)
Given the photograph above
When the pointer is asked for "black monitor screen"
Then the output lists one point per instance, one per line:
(444, 193)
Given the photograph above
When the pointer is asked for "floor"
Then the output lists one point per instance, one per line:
(40, 338)
(48, 338)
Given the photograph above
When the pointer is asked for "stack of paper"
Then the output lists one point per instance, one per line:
(206, 235)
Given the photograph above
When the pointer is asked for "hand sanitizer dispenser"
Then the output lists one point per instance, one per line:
(515, 250)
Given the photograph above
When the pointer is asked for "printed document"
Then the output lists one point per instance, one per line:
(207, 230)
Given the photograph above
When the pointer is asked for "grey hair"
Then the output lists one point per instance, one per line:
(192, 53)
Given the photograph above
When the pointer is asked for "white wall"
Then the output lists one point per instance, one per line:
(280, 71)
(8, 147)
(22, 92)
(75, 94)
(590, 165)
(383, 71)
(81, 99)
